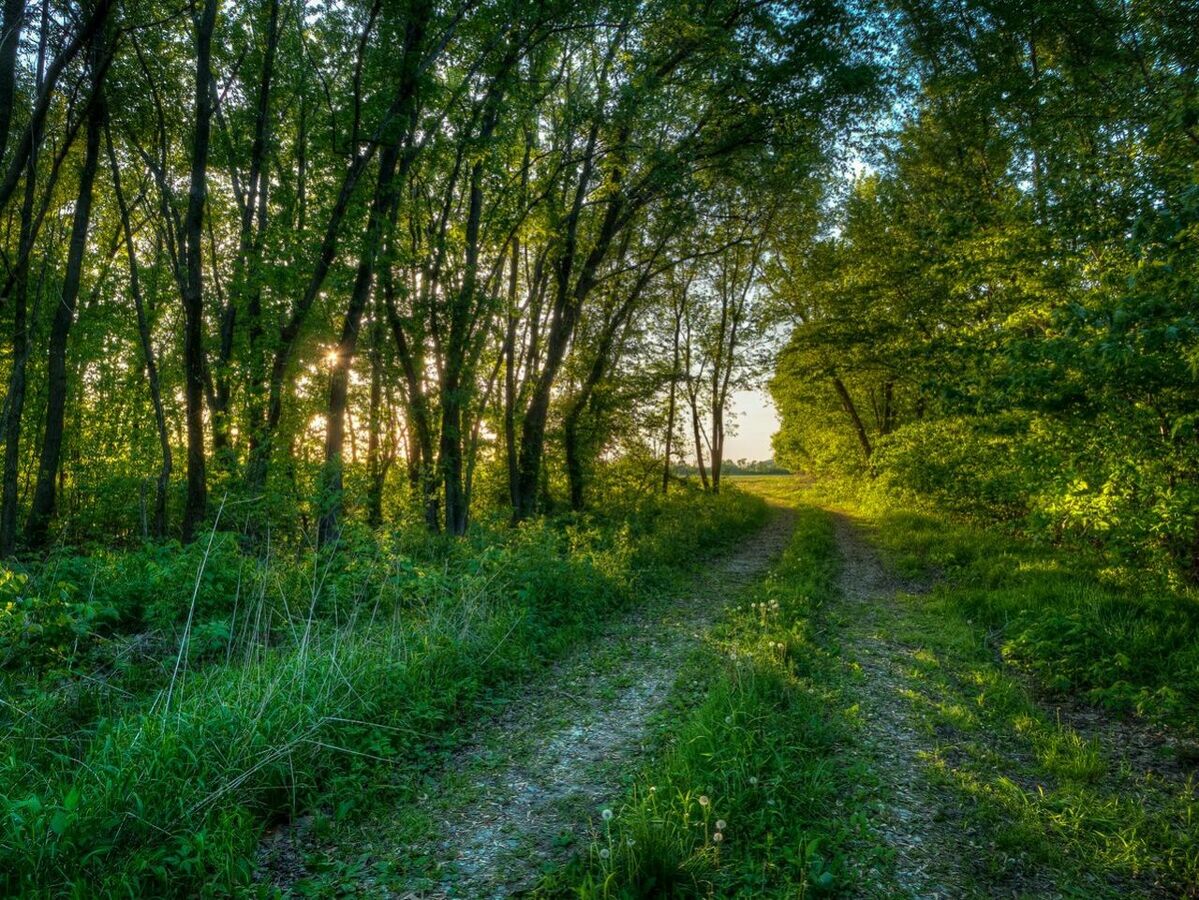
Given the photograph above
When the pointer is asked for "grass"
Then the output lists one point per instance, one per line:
(164, 786)
(1040, 803)
(753, 792)
(1090, 803)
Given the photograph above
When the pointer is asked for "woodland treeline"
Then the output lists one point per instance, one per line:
(289, 257)
(1000, 313)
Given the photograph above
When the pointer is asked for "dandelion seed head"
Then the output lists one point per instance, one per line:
(753, 779)
(607, 814)
(703, 800)
(630, 841)
(604, 853)
(718, 837)
(720, 824)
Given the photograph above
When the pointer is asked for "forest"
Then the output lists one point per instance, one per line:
(369, 517)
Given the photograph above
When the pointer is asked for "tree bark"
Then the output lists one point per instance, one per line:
(15, 402)
(852, 411)
(10, 41)
(45, 494)
(670, 405)
(151, 363)
(699, 443)
(195, 507)
(374, 464)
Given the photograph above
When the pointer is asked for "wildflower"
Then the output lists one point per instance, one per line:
(703, 800)
(652, 789)
(718, 837)
(604, 854)
(720, 824)
(728, 720)
(630, 841)
(607, 814)
(753, 780)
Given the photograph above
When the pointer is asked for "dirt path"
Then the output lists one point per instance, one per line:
(913, 821)
(528, 785)
(936, 755)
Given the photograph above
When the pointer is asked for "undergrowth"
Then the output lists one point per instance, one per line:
(173, 727)
(1071, 615)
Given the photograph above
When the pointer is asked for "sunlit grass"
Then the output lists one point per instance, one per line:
(765, 748)
(332, 694)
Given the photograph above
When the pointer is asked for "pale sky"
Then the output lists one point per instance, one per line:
(756, 421)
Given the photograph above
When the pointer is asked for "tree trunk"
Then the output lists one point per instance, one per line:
(510, 372)
(717, 443)
(10, 41)
(699, 443)
(15, 403)
(45, 495)
(151, 364)
(670, 405)
(374, 464)
(852, 411)
(331, 500)
(195, 508)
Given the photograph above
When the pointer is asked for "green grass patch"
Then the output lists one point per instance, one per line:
(751, 793)
(1060, 615)
(164, 783)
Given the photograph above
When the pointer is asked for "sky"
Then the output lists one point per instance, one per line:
(756, 421)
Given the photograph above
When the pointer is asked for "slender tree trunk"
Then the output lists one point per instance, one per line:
(671, 402)
(574, 457)
(45, 494)
(888, 407)
(331, 500)
(699, 442)
(10, 41)
(247, 278)
(717, 443)
(151, 364)
(195, 508)
(852, 411)
(15, 404)
(510, 372)
(374, 463)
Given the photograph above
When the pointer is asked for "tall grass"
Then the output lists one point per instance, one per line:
(325, 690)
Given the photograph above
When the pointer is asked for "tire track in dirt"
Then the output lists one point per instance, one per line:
(528, 784)
(928, 846)
(554, 782)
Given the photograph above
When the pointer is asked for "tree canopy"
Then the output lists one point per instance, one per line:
(304, 258)
(999, 310)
